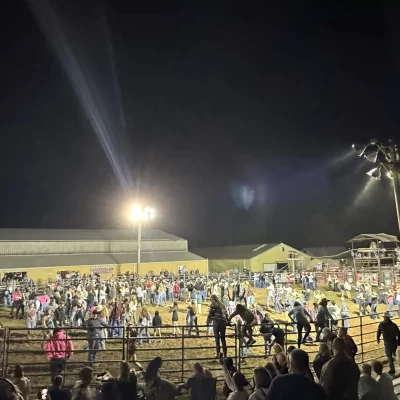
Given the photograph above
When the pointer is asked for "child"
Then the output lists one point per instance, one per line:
(157, 325)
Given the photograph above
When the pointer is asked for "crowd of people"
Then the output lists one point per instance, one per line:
(103, 307)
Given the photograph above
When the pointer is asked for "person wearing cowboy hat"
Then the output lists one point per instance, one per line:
(391, 338)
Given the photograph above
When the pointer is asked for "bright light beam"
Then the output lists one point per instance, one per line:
(86, 92)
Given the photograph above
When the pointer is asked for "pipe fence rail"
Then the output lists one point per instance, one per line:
(179, 352)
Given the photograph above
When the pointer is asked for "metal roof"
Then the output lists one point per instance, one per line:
(52, 235)
(328, 252)
(243, 252)
(54, 260)
(382, 237)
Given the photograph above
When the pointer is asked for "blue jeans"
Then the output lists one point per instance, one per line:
(147, 332)
(93, 347)
(116, 327)
(181, 293)
(345, 318)
(193, 324)
(390, 306)
(278, 307)
(390, 350)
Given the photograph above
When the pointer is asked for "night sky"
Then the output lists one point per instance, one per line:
(236, 124)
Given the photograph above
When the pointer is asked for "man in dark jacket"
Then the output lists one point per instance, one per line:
(94, 326)
(391, 338)
(340, 375)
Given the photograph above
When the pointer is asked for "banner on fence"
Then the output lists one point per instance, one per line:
(102, 269)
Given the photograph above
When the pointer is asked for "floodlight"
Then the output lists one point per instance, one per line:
(375, 173)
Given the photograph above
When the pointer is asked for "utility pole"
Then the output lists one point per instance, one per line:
(396, 178)
(386, 157)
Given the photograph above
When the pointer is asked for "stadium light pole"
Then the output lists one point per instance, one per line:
(386, 158)
(139, 215)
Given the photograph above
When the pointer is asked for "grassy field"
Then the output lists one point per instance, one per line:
(179, 353)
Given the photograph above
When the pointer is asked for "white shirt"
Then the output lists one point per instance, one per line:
(386, 386)
(238, 395)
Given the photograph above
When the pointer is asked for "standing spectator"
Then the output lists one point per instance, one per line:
(56, 392)
(351, 347)
(157, 322)
(219, 316)
(391, 338)
(321, 359)
(81, 390)
(59, 348)
(31, 317)
(368, 387)
(339, 376)
(145, 321)
(94, 336)
(115, 320)
(192, 319)
(385, 381)
(174, 311)
(296, 385)
(21, 382)
(17, 302)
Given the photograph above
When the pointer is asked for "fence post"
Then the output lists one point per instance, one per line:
(123, 342)
(183, 353)
(286, 337)
(65, 355)
(5, 353)
(236, 344)
(361, 338)
(239, 336)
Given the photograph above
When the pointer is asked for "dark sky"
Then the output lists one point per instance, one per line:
(234, 123)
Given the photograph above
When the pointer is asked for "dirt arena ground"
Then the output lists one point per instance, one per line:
(31, 355)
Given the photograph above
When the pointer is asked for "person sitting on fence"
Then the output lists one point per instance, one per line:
(272, 333)
(157, 388)
(249, 321)
(59, 348)
(57, 392)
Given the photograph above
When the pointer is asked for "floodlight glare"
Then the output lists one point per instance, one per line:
(375, 173)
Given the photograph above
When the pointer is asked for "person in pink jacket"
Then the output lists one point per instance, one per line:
(59, 349)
